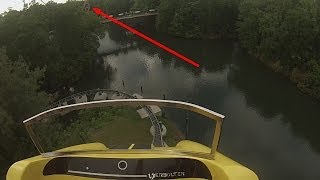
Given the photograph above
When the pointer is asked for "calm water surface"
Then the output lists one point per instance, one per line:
(270, 126)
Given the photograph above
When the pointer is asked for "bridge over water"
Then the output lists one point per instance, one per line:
(131, 17)
(115, 50)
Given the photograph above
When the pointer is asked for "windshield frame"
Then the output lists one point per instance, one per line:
(218, 118)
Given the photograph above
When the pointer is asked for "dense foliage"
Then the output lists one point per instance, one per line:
(198, 18)
(73, 128)
(183, 18)
(19, 98)
(42, 48)
(145, 5)
(63, 39)
(113, 7)
(286, 35)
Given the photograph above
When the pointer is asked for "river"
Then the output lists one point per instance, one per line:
(270, 126)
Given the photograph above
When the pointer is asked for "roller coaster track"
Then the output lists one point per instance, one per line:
(157, 139)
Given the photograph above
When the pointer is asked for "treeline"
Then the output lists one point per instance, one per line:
(183, 18)
(19, 98)
(115, 7)
(285, 34)
(42, 49)
(198, 18)
(60, 38)
(112, 6)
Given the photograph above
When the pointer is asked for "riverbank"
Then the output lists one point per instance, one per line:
(303, 80)
(287, 38)
(209, 37)
(261, 108)
(305, 77)
(307, 81)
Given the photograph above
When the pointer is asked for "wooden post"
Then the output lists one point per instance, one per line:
(141, 89)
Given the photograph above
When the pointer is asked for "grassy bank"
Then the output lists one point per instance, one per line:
(306, 81)
(114, 127)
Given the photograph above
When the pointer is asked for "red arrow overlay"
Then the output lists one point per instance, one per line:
(98, 11)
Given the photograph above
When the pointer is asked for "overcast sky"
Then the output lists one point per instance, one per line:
(18, 4)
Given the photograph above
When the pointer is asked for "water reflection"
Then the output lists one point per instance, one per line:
(99, 77)
(276, 97)
(210, 55)
(277, 100)
(270, 127)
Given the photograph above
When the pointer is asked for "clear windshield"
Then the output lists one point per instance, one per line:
(122, 127)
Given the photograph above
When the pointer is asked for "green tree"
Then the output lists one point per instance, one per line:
(113, 7)
(198, 18)
(145, 5)
(19, 98)
(62, 38)
(222, 17)
(285, 34)
(166, 10)
(186, 22)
